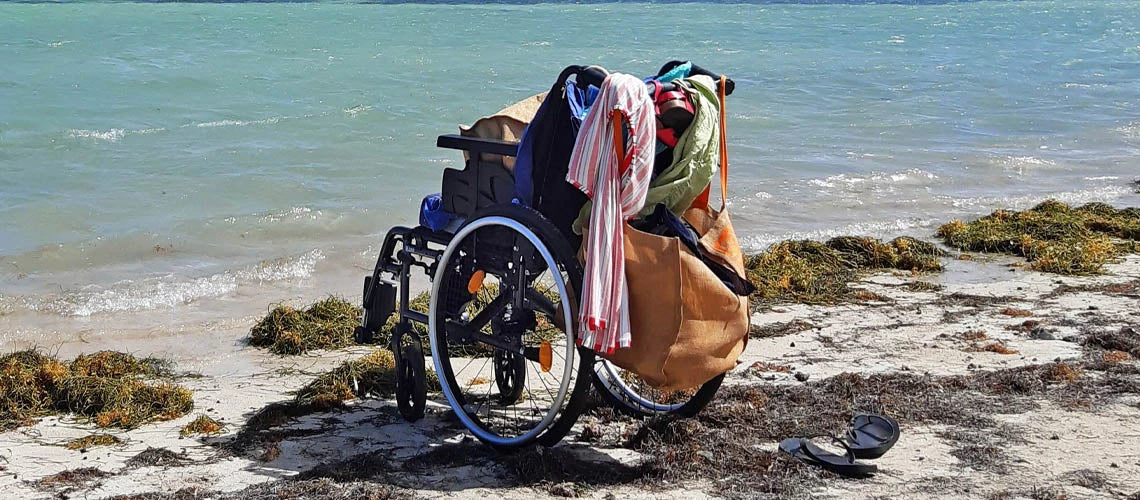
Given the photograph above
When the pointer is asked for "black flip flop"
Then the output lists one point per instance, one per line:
(807, 452)
(870, 436)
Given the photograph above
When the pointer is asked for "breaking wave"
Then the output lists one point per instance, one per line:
(875, 180)
(110, 135)
(762, 241)
(169, 291)
(985, 203)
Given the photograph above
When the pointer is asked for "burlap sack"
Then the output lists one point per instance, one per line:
(687, 326)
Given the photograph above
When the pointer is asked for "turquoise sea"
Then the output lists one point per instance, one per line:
(166, 157)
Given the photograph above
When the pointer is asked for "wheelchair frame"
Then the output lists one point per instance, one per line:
(475, 188)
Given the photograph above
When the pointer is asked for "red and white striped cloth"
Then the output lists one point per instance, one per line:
(617, 194)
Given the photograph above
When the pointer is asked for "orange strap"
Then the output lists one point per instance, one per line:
(723, 146)
(619, 145)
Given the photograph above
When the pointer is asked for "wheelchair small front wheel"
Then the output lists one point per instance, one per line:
(411, 382)
(510, 373)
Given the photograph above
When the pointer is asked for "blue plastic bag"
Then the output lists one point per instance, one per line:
(432, 215)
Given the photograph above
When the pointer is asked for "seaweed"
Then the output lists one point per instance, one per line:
(287, 489)
(814, 272)
(923, 286)
(1052, 236)
(1125, 340)
(72, 477)
(779, 329)
(374, 374)
(93, 440)
(203, 424)
(1015, 312)
(371, 374)
(116, 364)
(113, 389)
(157, 457)
(995, 346)
(29, 382)
(326, 324)
(1087, 478)
(319, 489)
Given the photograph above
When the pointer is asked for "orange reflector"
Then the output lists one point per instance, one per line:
(476, 281)
(545, 356)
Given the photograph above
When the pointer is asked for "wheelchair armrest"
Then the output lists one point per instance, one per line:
(477, 145)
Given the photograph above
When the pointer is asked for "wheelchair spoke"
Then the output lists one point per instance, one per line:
(507, 290)
(490, 384)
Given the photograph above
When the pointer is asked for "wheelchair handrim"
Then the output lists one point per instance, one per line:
(568, 369)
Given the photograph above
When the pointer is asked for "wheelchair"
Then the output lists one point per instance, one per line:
(504, 291)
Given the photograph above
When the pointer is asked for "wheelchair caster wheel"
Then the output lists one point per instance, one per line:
(362, 335)
(510, 376)
(411, 382)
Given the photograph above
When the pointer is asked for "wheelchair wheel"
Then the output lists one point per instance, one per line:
(626, 392)
(411, 382)
(512, 376)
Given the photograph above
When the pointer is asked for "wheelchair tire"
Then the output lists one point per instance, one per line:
(502, 256)
(627, 394)
(411, 383)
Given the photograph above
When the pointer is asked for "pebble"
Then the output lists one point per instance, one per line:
(802, 377)
(564, 490)
(1040, 333)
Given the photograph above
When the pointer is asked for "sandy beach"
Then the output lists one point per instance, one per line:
(172, 171)
(978, 422)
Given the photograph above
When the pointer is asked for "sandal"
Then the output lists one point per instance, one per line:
(806, 451)
(870, 436)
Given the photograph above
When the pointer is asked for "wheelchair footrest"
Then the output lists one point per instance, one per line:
(379, 303)
(360, 335)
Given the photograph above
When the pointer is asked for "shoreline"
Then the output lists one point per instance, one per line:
(174, 284)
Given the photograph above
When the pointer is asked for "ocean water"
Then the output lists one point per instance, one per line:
(172, 160)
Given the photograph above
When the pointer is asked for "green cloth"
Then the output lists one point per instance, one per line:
(695, 158)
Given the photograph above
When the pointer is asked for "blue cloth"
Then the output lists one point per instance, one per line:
(677, 73)
(578, 101)
(432, 215)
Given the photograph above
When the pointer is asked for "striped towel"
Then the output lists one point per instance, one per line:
(617, 189)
